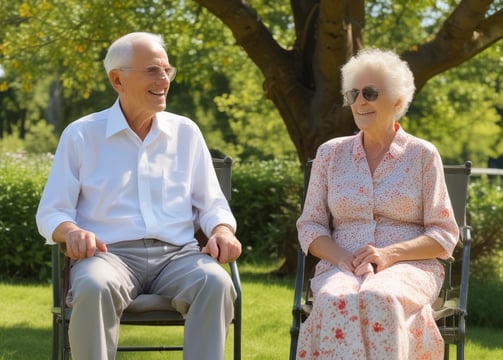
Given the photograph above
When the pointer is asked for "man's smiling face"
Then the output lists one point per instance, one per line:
(144, 92)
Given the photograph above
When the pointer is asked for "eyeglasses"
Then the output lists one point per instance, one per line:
(155, 71)
(369, 93)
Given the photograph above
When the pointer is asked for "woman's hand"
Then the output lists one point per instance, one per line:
(345, 261)
(371, 257)
(324, 248)
(419, 248)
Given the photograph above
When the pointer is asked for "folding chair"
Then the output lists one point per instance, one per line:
(157, 316)
(449, 310)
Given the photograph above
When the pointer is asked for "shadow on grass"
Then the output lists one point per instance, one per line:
(20, 342)
(265, 276)
(488, 338)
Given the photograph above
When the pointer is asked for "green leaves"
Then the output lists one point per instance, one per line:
(63, 42)
(459, 113)
(23, 253)
(266, 203)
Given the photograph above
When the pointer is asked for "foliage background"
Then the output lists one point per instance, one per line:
(51, 52)
(266, 197)
(50, 56)
(22, 251)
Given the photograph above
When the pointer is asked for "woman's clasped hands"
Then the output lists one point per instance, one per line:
(369, 260)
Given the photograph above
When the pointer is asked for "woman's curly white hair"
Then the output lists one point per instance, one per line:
(398, 78)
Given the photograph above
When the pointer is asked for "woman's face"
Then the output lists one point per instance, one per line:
(373, 114)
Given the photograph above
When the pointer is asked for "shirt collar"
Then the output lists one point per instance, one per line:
(163, 123)
(117, 122)
(396, 148)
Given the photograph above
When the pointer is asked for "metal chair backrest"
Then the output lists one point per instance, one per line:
(452, 321)
(60, 346)
(457, 178)
(223, 169)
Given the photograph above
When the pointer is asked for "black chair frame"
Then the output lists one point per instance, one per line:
(450, 310)
(61, 313)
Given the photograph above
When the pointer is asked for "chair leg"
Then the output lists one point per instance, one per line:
(237, 339)
(65, 344)
(294, 333)
(460, 351)
(293, 347)
(446, 352)
(55, 338)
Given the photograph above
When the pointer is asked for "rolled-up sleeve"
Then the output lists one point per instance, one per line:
(59, 199)
(315, 217)
(209, 201)
(439, 221)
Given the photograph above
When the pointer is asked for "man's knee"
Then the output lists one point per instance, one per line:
(217, 280)
(88, 284)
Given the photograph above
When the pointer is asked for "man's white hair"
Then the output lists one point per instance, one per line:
(120, 53)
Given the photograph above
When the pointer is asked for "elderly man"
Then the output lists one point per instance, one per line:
(128, 188)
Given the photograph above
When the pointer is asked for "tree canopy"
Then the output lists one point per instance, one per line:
(287, 51)
(304, 81)
(232, 55)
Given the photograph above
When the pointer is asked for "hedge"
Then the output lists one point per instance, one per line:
(265, 200)
(23, 254)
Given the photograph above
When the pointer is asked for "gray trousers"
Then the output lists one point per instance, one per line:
(192, 283)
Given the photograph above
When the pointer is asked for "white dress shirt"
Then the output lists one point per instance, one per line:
(106, 180)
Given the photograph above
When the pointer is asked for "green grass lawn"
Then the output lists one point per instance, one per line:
(25, 324)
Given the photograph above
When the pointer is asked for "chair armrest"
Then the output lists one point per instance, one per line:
(56, 275)
(466, 238)
(236, 280)
(237, 308)
(299, 283)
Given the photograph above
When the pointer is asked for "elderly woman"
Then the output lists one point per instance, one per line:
(377, 214)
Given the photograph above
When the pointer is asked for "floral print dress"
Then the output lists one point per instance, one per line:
(386, 315)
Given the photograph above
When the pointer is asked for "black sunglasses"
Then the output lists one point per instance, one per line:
(369, 93)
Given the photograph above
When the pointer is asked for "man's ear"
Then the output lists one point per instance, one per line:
(116, 80)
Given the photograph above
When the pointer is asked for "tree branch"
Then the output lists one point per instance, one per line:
(251, 34)
(492, 28)
(355, 16)
(299, 10)
(283, 83)
(465, 34)
(333, 34)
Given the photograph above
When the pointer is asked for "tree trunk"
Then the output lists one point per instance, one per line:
(304, 83)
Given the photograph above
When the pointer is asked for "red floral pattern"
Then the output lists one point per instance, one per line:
(385, 315)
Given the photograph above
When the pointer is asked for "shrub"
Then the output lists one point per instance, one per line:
(266, 203)
(22, 179)
(485, 292)
(485, 215)
(11, 143)
(40, 138)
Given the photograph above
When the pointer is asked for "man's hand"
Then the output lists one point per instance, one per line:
(79, 243)
(222, 245)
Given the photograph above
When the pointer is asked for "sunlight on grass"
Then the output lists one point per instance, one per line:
(267, 301)
(482, 344)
